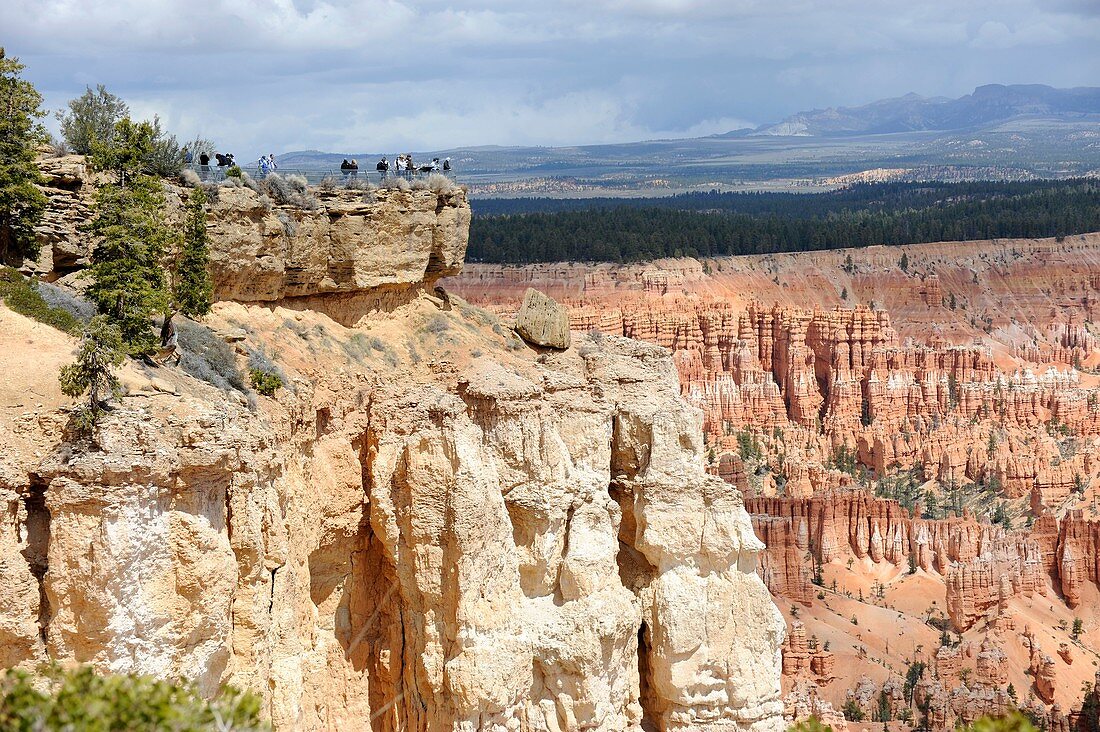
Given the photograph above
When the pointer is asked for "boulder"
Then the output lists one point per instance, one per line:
(542, 321)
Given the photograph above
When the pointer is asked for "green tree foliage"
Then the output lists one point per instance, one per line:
(843, 459)
(719, 224)
(1013, 722)
(81, 699)
(912, 675)
(91, 119)
(166, 156)
(1089, 721)
(21, 203)
(1078, 626)
(93, 372)
(127, 151)
(20, 294)
(128, 278)
(812, 724)
(748, 445)
(264, 382)
(952, 390)
(884, 710)
(852, 712)
(192, 288)
(903, 263)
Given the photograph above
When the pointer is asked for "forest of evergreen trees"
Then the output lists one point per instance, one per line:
(719, 224)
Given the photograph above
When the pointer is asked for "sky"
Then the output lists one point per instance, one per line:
(351, 76)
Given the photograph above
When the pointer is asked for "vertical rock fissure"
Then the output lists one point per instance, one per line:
(37, 551)
(271, 600)
(646, 696)
(374, 636)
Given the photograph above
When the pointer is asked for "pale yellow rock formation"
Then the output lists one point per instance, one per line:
(354, 242)
(543, 322)
(431, 527)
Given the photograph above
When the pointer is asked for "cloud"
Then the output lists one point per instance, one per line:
(358, 75)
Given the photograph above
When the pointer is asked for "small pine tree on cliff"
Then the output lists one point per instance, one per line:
(21, 203)
(93, 372)
(129, 284)
(191, 286)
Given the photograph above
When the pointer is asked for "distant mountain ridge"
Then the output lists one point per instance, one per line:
(1017, 132)
(912, 113)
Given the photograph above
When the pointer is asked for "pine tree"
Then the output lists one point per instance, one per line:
(128, 277)
(192, 288)
(128, 150)
(100, 353)
(21, 203)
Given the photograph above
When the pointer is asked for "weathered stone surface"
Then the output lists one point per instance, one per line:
(352, 242)
(501, 540)
(542, 321)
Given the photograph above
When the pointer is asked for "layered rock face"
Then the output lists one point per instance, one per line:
(353, 243)
(357, 249)
(431, 527)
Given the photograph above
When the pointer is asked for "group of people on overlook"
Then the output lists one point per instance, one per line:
(403, 165)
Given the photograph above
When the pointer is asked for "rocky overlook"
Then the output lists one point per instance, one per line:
(432, 526)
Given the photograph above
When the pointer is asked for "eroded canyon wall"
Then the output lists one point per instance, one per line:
(837, 386)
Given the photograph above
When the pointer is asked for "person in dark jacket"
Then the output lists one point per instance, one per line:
(382, 167)
(204, 165)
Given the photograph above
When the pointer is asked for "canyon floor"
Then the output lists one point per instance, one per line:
(915, 429)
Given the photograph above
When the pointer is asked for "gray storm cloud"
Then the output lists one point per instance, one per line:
(384, 75)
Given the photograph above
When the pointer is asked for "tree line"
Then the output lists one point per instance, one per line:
(719, 224)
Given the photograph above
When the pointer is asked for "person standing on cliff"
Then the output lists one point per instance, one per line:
(204, 165)
(382, 167)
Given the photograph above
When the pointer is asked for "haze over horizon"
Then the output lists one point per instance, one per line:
(348, 77)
